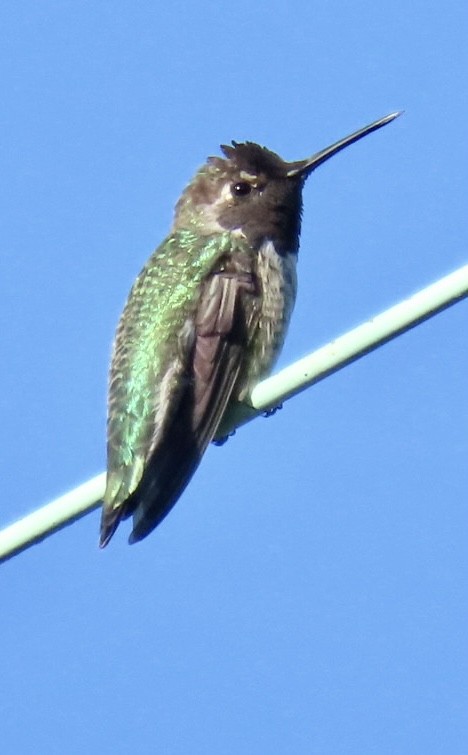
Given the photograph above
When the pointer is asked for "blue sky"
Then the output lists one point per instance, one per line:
(308, 593)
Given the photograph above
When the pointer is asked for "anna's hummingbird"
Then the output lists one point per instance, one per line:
(205, 320)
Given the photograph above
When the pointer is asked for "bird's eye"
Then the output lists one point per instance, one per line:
(241, 189)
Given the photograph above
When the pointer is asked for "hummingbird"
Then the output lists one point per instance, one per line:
(204, 322)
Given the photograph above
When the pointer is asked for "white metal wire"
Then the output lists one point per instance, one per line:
(269, 393)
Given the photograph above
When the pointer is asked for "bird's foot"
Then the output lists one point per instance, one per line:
(223, 440)
(271, 412)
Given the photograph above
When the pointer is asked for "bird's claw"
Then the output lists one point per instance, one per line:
(271, 412)
(223, 440)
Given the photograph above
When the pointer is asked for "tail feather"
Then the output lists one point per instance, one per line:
(118, 498)
(109, 522)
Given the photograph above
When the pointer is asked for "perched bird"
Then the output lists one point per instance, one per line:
(204, 321)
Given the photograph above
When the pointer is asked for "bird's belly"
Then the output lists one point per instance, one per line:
(277, 278)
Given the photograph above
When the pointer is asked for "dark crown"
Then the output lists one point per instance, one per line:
(251, 158)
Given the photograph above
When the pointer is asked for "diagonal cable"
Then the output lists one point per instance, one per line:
(268, 394)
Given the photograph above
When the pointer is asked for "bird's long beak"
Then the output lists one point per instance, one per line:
(305, 167)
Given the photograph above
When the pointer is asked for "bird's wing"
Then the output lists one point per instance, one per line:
(223, 326)
(156, 438)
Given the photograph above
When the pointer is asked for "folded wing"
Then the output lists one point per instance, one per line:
(199, 385)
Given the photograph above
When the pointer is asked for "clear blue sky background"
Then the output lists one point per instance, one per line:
(308, 594)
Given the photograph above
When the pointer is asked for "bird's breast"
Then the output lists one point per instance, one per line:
(276, 275)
